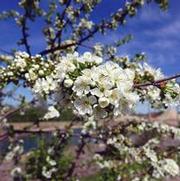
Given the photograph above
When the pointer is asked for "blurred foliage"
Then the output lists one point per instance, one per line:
(33, 113)
(37, 161)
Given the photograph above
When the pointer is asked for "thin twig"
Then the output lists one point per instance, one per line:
(157, 82)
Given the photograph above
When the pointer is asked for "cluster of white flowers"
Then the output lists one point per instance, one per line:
(71, 13)
(102, 86)
(16, 172)
(52, 113)
(88, 5)
(25, 67)
(94, 87)
(20, 61)
(161, 128)
(162, 95)
(138, 155)
(147, 154)
(111, 50)
(89, 125)
(103, 163)
(6, 58)
(117, 17)
(66, 70)
(161, 167)
(84, 26)
(84, 23)
(98, 49)
(45, 85)
(48, 173)
(15, 149)
(165, 167)
(147, 69)
(170, 167)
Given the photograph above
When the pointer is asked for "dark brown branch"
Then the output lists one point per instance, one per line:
(74, 163)
(61, 47)
(10, 113)
(24, 33)
(62, 16)
(156, 83)
(34, 131)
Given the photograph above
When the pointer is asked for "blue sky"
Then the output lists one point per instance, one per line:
(155, 32)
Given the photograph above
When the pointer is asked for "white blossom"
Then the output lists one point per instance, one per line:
(52, 113)
(68, 83)
(170, 167)
(84, 23)
(16, 172)
(103, 102)
(83, 105)
(45, 85)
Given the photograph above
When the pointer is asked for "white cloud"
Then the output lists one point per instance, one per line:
(152, 14)
(164, 44)
(172, 29)
(169, 30)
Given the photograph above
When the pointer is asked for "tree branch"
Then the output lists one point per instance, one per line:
(24, 33)
(156, 83)
(74, 163)
(103, 25)
(62, 16)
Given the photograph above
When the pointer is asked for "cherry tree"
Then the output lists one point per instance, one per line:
(99, 86)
